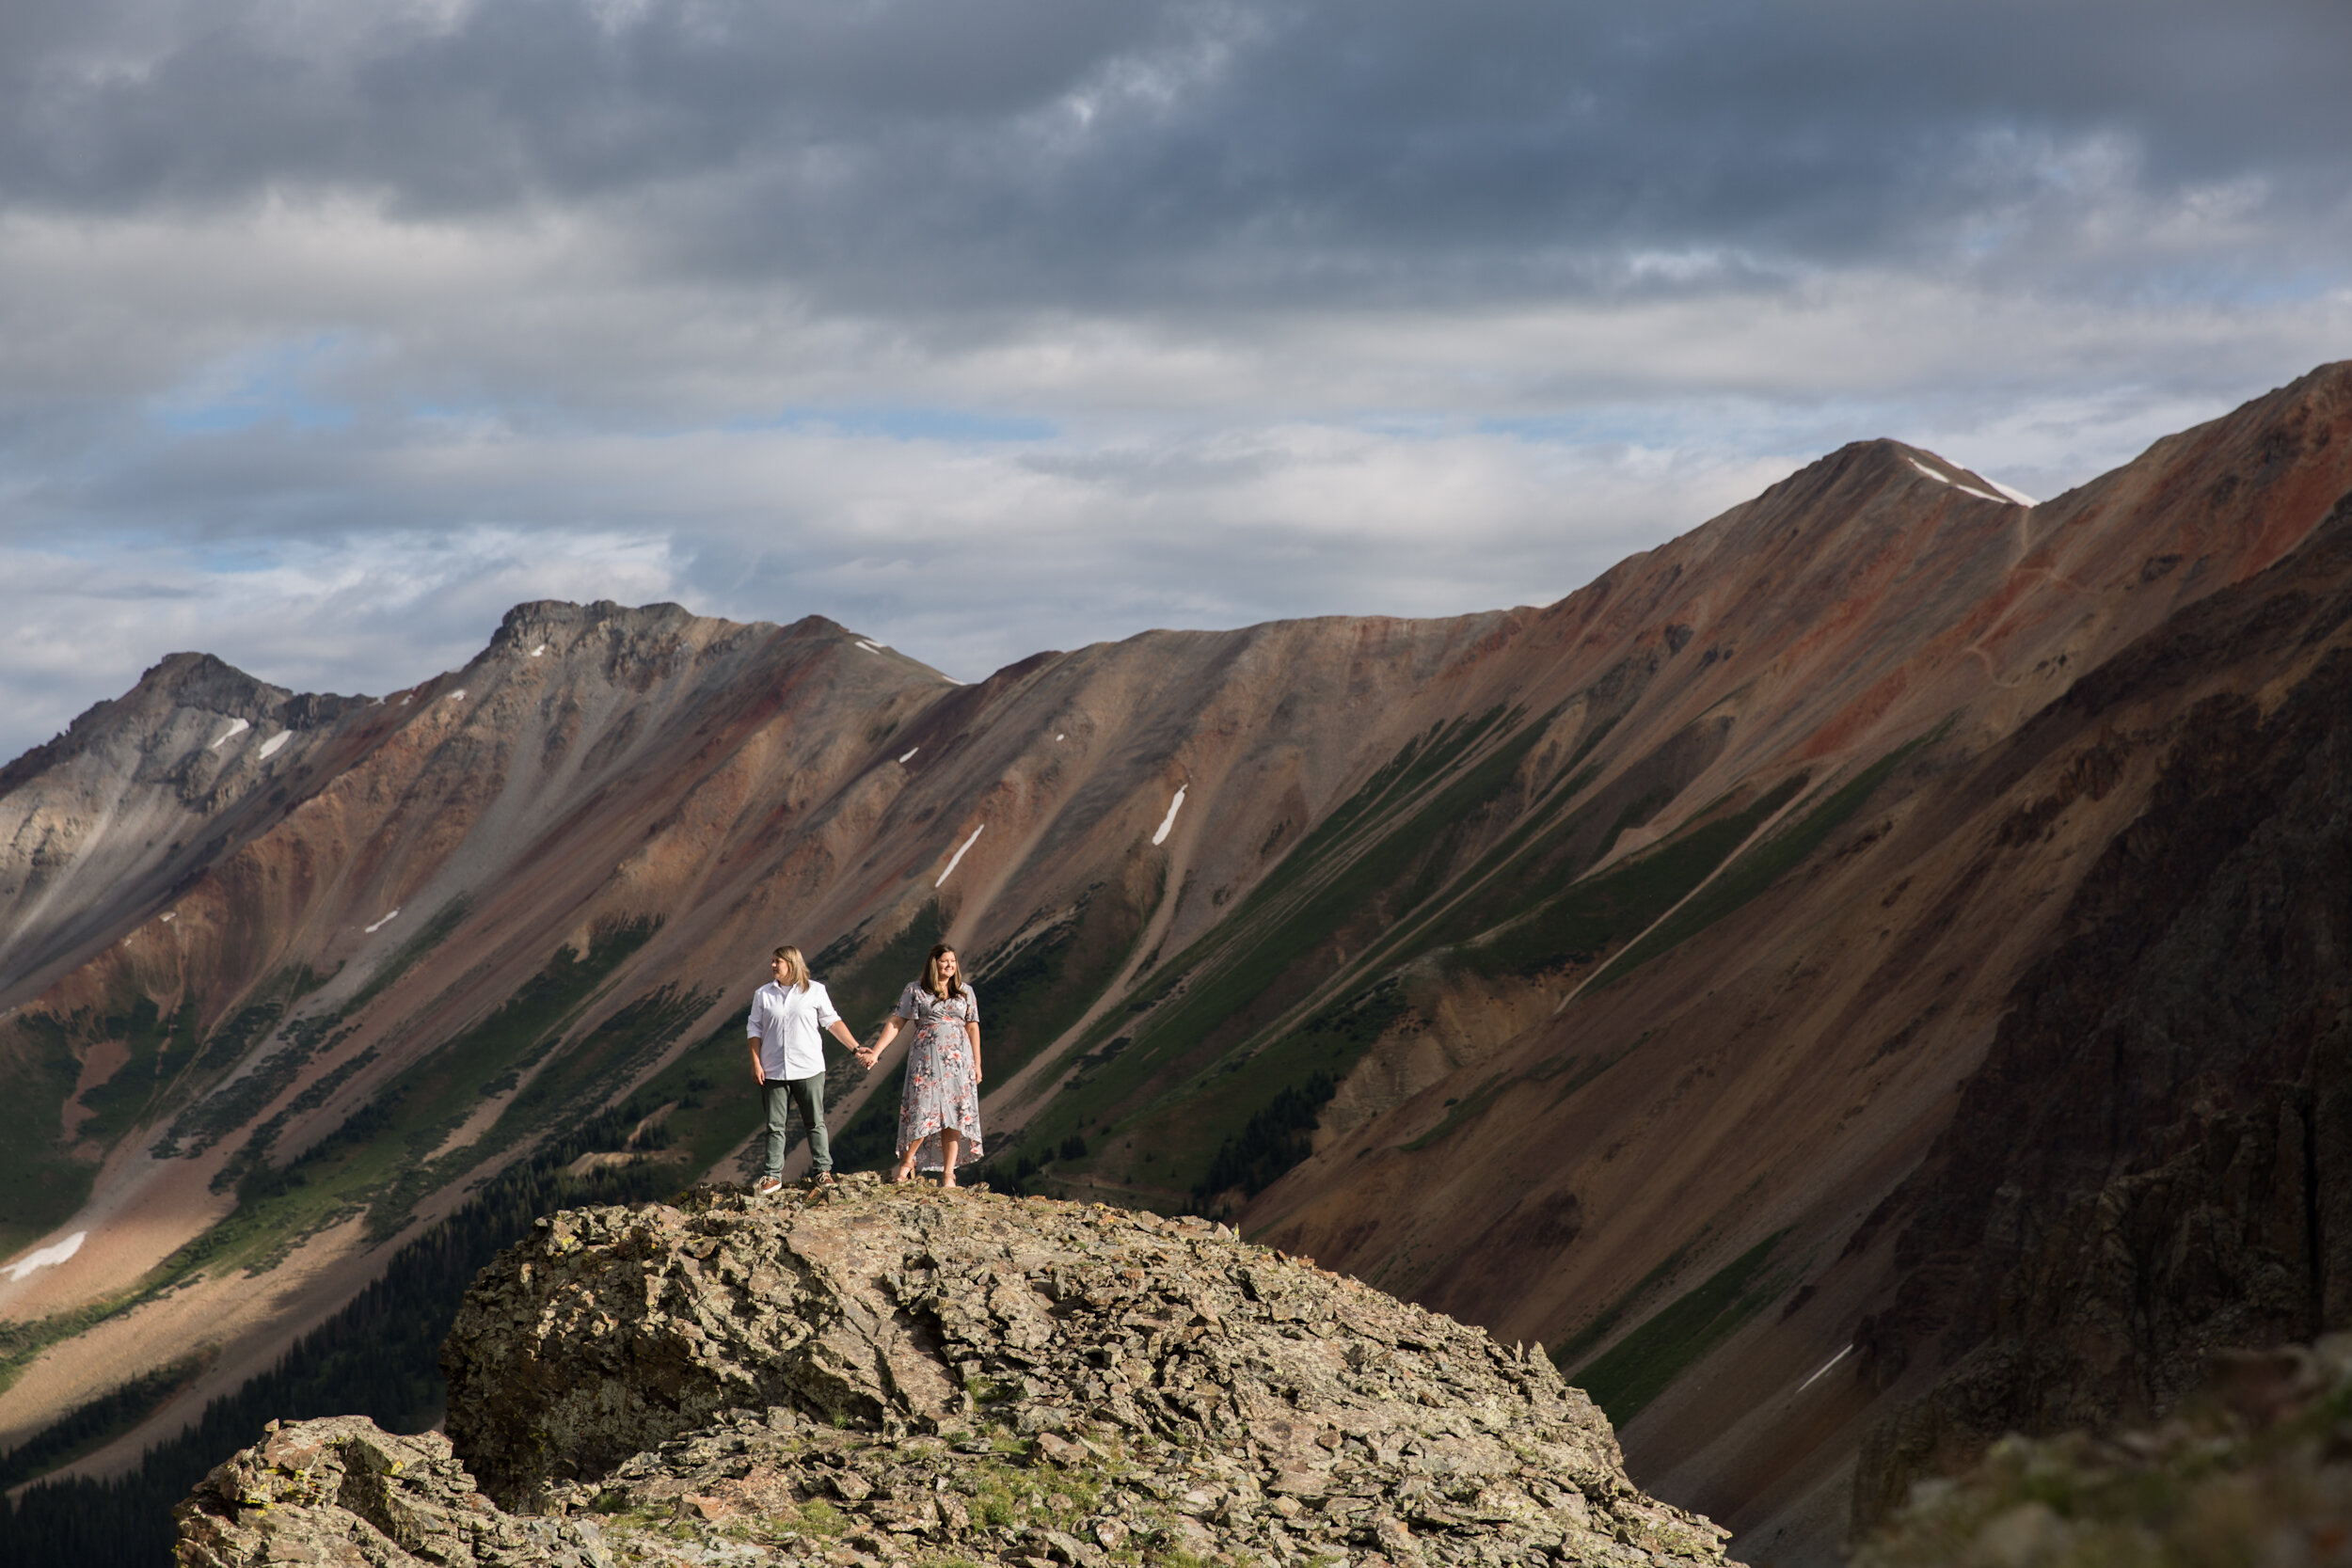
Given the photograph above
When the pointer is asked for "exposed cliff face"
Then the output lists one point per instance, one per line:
(2156, 1159)
(917, 1373)
(1609, 963)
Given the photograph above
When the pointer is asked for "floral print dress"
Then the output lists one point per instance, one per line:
(940, 1091)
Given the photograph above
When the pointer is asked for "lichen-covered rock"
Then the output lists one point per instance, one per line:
(878, 1375)
(340, 1491)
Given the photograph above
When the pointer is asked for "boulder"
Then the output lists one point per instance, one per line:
(340, 1491)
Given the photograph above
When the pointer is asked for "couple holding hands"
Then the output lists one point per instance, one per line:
(939, 1109)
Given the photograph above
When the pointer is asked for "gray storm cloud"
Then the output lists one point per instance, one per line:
(1057, 152)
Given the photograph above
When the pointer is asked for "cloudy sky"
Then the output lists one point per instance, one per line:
(329, 330)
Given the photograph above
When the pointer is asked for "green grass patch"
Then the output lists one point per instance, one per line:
(1460, 1115)
(1570, 1352)
(41, 1185)
(819, 1518)
(20, 1339)
(207, 1120)
(1639, 1366)
(1187, 1133)
(871, 1140)
(1417, 764)
(380, 1159)
(1249, 968)
(595, 1066)
(120, 1102)
(1591, 1069)
(1529, 856)
(1031, 996)
(716, 1105)
(1616, 905)
(871, 984)
(1277, 1137)
(251, 1160)
(441, 1092)
(93, 1425)
(428, 936)
(1763, 866)
(1022, 986)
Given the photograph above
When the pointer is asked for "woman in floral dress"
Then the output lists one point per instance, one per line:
(939, 1109)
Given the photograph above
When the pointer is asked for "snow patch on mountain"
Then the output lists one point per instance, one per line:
(1160, 836)
(955, 859)
(49, 1257)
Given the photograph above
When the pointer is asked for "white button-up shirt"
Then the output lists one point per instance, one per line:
(790, 1025)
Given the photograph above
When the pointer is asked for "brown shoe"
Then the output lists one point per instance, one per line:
(767, 1186)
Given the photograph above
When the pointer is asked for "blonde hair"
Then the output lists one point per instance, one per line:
(931, 981)
(795, 967)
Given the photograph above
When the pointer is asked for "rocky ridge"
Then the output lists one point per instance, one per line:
(877, 1374)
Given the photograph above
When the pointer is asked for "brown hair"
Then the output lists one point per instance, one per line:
(931, 981)
(795, 967)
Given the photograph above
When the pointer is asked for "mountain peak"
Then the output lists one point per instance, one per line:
(181, 680)
(205, 681)
(551, 626)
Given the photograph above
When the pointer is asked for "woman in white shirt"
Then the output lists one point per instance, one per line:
(789, 1062)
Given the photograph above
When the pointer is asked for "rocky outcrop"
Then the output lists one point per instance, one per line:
(340, 1491)
(904, 1373)
(2257, 1471)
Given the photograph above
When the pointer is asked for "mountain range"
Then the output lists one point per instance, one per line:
(1864, 975)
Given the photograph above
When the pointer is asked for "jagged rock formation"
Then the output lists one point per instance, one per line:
(338, 1491)
(918, 1374)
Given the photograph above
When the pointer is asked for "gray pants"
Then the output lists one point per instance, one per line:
(782, 1094)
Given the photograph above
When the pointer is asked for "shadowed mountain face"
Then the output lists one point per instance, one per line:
(1825, 930)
